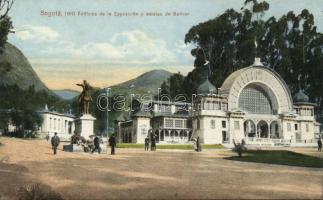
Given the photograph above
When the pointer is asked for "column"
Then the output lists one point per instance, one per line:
(257, 130)
(269, 130)
(159, 133)
(66, 130)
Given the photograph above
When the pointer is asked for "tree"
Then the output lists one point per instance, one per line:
(5, 6)
(5, 21)
(21, 106)
(290, 45)
(173, 86)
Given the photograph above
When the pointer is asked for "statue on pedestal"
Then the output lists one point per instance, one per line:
(84, 98)
(84, 124)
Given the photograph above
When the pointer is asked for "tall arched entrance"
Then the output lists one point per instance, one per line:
(275, 130)
(249, 128)
(262, 129)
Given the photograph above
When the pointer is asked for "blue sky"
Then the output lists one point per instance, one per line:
(107, 50)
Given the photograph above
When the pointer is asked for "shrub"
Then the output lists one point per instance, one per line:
(37, 192)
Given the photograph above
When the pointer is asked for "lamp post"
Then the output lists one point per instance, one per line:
(219, 98)
(107, 91)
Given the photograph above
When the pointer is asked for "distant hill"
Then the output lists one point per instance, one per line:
(16, 69)
(66, 94)
(145, 84)
(149, 81)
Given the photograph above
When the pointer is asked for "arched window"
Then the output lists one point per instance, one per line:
(254, 99)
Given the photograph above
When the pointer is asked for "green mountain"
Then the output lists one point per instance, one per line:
(145, 84)
(16, 69)
(149, 81)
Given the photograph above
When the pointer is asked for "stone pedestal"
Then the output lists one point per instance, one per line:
(84, 125)
(73, 148)
(79, 148)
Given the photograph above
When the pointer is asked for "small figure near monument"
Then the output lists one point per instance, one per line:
(147, 143)
(319, 144)
(96, 145)
(55, 142)
(153, 143)
(77, 139)
(112, 143)
(85, 98)
(198, 147)
(239, 148)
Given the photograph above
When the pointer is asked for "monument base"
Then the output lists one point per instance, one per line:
(84, 125)
(79, 148)
(73, 148)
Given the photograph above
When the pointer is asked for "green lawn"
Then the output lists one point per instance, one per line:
(170, 146)
(279, 157)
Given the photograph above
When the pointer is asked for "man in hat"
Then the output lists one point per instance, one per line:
(96, 145)
(147, 143)
(319, 144)
(198, 144)
(112, 143)
(55, 142)
(153, 143)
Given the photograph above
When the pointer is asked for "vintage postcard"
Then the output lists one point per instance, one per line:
(161, 99)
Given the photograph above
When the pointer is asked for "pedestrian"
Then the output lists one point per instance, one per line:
(319, 144)
(198, 144)
(153, 143)
(55, 142)
(47, 137)
(96, 145)
(147, 143)
(112, 143)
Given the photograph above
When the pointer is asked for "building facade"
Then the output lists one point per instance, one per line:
(61, 123)
(253, 103)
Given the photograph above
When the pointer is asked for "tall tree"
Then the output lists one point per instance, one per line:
(291, 45)
(173, 86)
(5, 21)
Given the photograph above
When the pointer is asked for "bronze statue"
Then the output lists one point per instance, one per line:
(85, 98)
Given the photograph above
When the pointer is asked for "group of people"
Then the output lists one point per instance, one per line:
(152, 143)
(112, 144)
(55, 140)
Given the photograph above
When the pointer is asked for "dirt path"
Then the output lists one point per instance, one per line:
(134, 173)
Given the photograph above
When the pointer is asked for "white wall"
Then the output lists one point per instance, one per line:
(139, 124)
(56, 123)
(236, 133)
(213, 135)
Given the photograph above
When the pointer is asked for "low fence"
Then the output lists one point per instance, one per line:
(280, 142)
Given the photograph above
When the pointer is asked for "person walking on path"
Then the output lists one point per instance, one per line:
(198, 144)
(55, 142)
(147, 143)
(112, 143)
(319, 144)
(96, 145)
(153, 143)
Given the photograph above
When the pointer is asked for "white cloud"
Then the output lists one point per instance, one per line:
(133, 47)
(126, 48)
(37, 33)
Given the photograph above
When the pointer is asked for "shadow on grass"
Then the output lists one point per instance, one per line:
(279, 157)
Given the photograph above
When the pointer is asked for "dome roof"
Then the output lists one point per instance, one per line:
(300, 96)
(206, 88)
